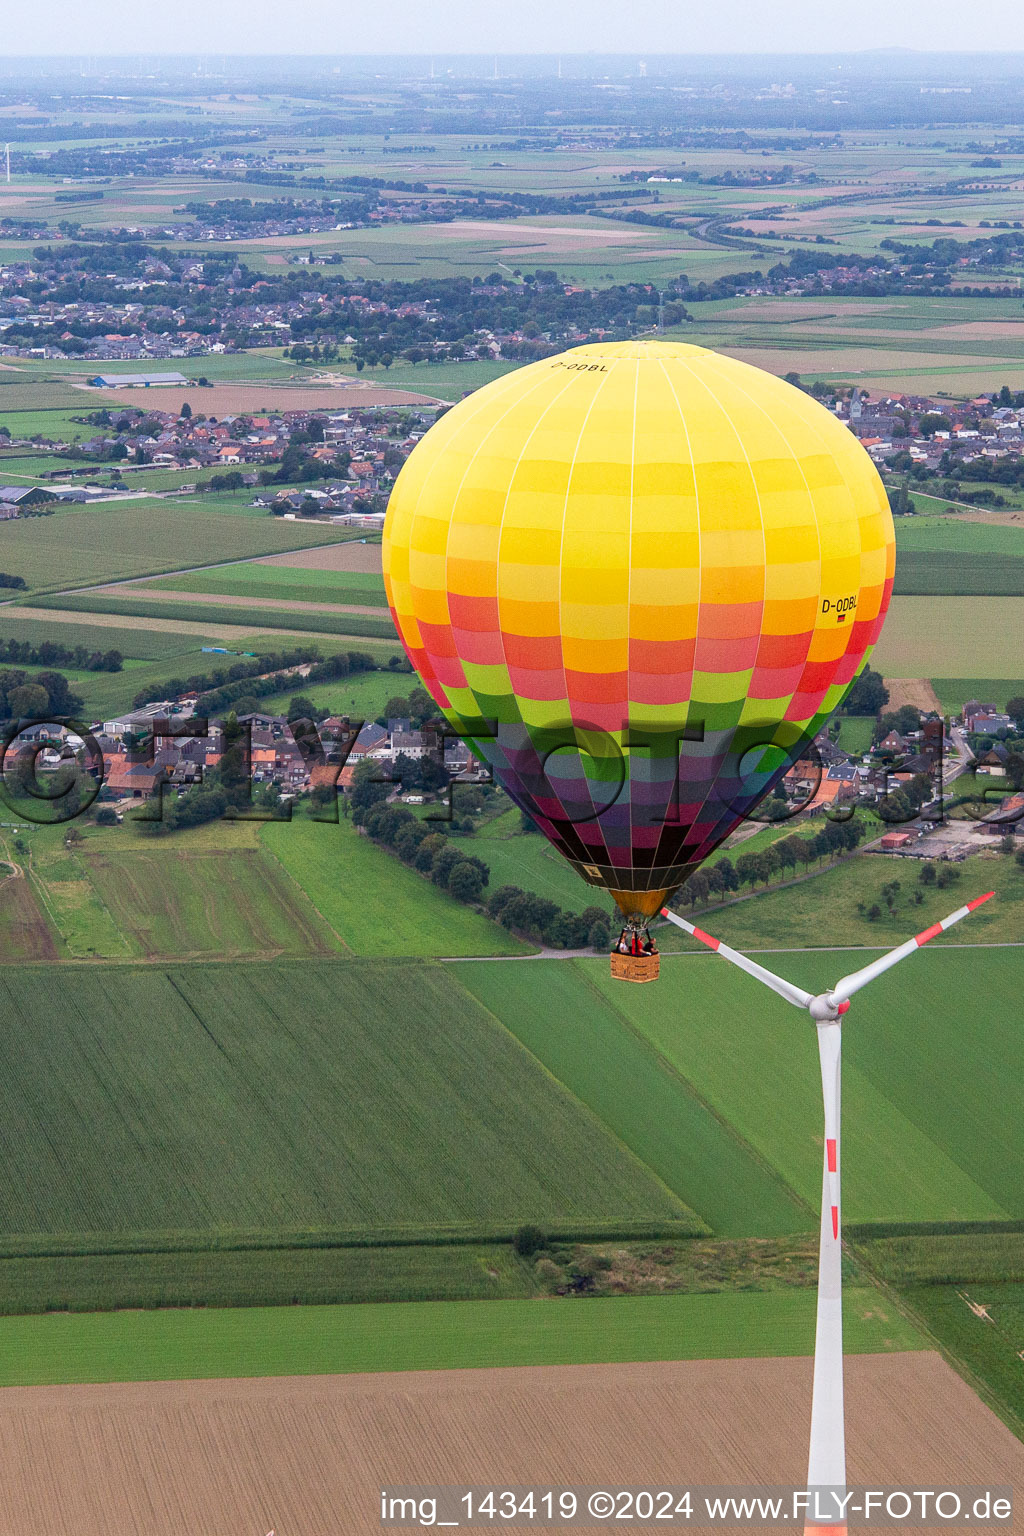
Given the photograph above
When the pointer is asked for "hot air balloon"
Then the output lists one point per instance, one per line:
(637, 578)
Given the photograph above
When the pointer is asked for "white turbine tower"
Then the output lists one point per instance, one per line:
(826, 1465)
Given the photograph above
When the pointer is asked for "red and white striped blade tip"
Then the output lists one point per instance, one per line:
(978, 900)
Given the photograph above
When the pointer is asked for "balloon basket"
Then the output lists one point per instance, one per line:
(635, 967)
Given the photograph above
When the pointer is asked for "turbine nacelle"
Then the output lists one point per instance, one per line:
(826, 1008)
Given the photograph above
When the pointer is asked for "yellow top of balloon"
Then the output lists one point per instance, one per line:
(644, 523)
(638, 577)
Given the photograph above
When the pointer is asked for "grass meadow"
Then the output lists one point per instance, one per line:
(375, 903)
(201, 1343)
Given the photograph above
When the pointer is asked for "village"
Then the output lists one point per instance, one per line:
(348, 459)
(907, 781)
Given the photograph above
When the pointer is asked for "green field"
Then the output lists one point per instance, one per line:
(117, 539)
(374, 902)
(133, 641)
(790, 916)
(271, 1277)
(284, 583)
(972, 575)
(956, 536)
(320, 1094)
(586, 1042)
(199, 902)
(953, 1258)
(953, 692)
(948, 556)
(920, 1142)
(300, 1341)
(315, 621)
(987, 1349)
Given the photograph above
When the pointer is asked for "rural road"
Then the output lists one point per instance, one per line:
(699, 954)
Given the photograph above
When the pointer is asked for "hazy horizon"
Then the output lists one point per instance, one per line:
(314, 28)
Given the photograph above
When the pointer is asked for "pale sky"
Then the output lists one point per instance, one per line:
(646, 27)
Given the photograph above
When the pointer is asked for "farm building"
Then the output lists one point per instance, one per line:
(135, 380)
(25, 495)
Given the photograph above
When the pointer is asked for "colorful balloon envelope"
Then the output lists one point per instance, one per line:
(637, 578)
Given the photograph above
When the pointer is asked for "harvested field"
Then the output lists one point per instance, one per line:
(353, 556)
(563, 237)
(808, 309)
(224, 399)
(871, 362)
(25, 933)
(917, 691)
(312, 1454)
(978, 330)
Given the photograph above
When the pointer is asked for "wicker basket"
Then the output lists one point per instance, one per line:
(635, 967)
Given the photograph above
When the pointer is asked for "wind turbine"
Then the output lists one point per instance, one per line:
(826, 1465)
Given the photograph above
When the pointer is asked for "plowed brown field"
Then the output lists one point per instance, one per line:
(308, 1456)
(350, 556)
(917, 691)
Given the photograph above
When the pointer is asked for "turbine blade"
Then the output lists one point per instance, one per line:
(844, 990)
(792, 994)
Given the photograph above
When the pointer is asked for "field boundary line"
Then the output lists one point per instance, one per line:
(695, 1093)
(37, 885)
(217, 565)
(698, 954)
(290, 877)
(589, 1110)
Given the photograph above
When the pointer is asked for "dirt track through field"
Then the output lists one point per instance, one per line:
(307, 1456)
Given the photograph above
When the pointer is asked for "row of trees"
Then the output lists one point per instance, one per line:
(51, 654)
(761, 866)
(545, 921)
(204, 683)
(244, 695)
(47, 695)
(463, 875)
(415, 842)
